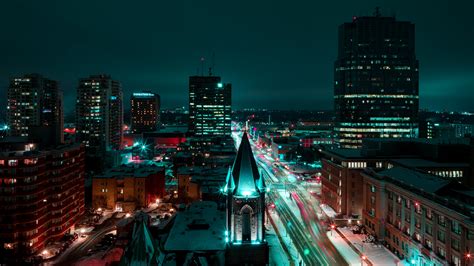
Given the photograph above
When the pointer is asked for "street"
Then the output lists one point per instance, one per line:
(307, 232)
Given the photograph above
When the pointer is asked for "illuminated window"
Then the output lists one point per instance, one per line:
(30, 161)
(12, 162)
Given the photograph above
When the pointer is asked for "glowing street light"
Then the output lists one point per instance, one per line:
(127, 215)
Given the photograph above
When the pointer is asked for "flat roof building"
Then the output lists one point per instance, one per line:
(145, 112)
(375, 80)
(210, 107)
(41, 195)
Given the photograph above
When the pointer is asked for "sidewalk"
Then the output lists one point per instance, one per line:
(351, 257)
(330, 213)
(284, 237)
(376, 254)
(278, 252)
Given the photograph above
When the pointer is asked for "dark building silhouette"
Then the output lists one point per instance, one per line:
(35, 107)
(376, 80)
(209, 106)
(145, 111)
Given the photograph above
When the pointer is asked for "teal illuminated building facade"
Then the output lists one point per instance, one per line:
(209, 107)
(245, 189)
(375, 80)
(145, 111)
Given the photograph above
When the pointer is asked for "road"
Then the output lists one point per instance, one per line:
(76, 252)
(307, 232)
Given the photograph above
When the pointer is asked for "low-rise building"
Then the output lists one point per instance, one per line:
(128, 187)
(201, 183)
(198, 234)
(420, 217)
(341, 168)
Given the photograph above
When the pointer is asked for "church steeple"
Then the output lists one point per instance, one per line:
(245, 173)
(245, 189)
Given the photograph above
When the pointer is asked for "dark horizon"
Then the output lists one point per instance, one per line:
(276, 56)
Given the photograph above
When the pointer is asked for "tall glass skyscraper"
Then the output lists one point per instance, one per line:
(375, 80)
(209, 106)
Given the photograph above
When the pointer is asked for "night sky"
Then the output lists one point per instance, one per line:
(277, 54)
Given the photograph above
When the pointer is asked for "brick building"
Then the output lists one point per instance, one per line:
(128, 187)
(341, 168)
(41, 195)
(420, 217)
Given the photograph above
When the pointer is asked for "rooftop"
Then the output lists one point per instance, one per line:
(426, 182)
(449, 194)
(131, 170)
(199, 228)
(422, 163)
(345, 153)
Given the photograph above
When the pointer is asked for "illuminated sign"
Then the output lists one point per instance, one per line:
(143, 94)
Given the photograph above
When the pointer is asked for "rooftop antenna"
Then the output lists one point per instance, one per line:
(377, 11)
(213, 63)
(202, 66)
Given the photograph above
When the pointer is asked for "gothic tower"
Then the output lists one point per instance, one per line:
(245, 190)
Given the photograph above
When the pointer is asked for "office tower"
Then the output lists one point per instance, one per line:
(99, 113)
(145, 109)
(209, 106)
(376, 80)
(35, 105)
(42, 196)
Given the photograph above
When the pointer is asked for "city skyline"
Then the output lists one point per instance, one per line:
(292, 51)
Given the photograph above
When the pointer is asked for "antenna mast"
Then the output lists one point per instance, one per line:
(202, 66)
(377, 11)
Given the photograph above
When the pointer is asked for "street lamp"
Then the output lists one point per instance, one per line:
(332, 228)
(362, 260)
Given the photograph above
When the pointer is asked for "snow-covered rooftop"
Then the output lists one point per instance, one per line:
(199, 228)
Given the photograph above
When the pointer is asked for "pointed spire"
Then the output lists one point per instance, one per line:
(261, 184)
(245, 171)
(142, 249)
(229, 184)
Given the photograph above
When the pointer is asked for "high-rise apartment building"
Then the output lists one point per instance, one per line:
(376, 80)
(99, 113)
(34, 102)
(145, 109)
(41, 196)
(209, 106)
